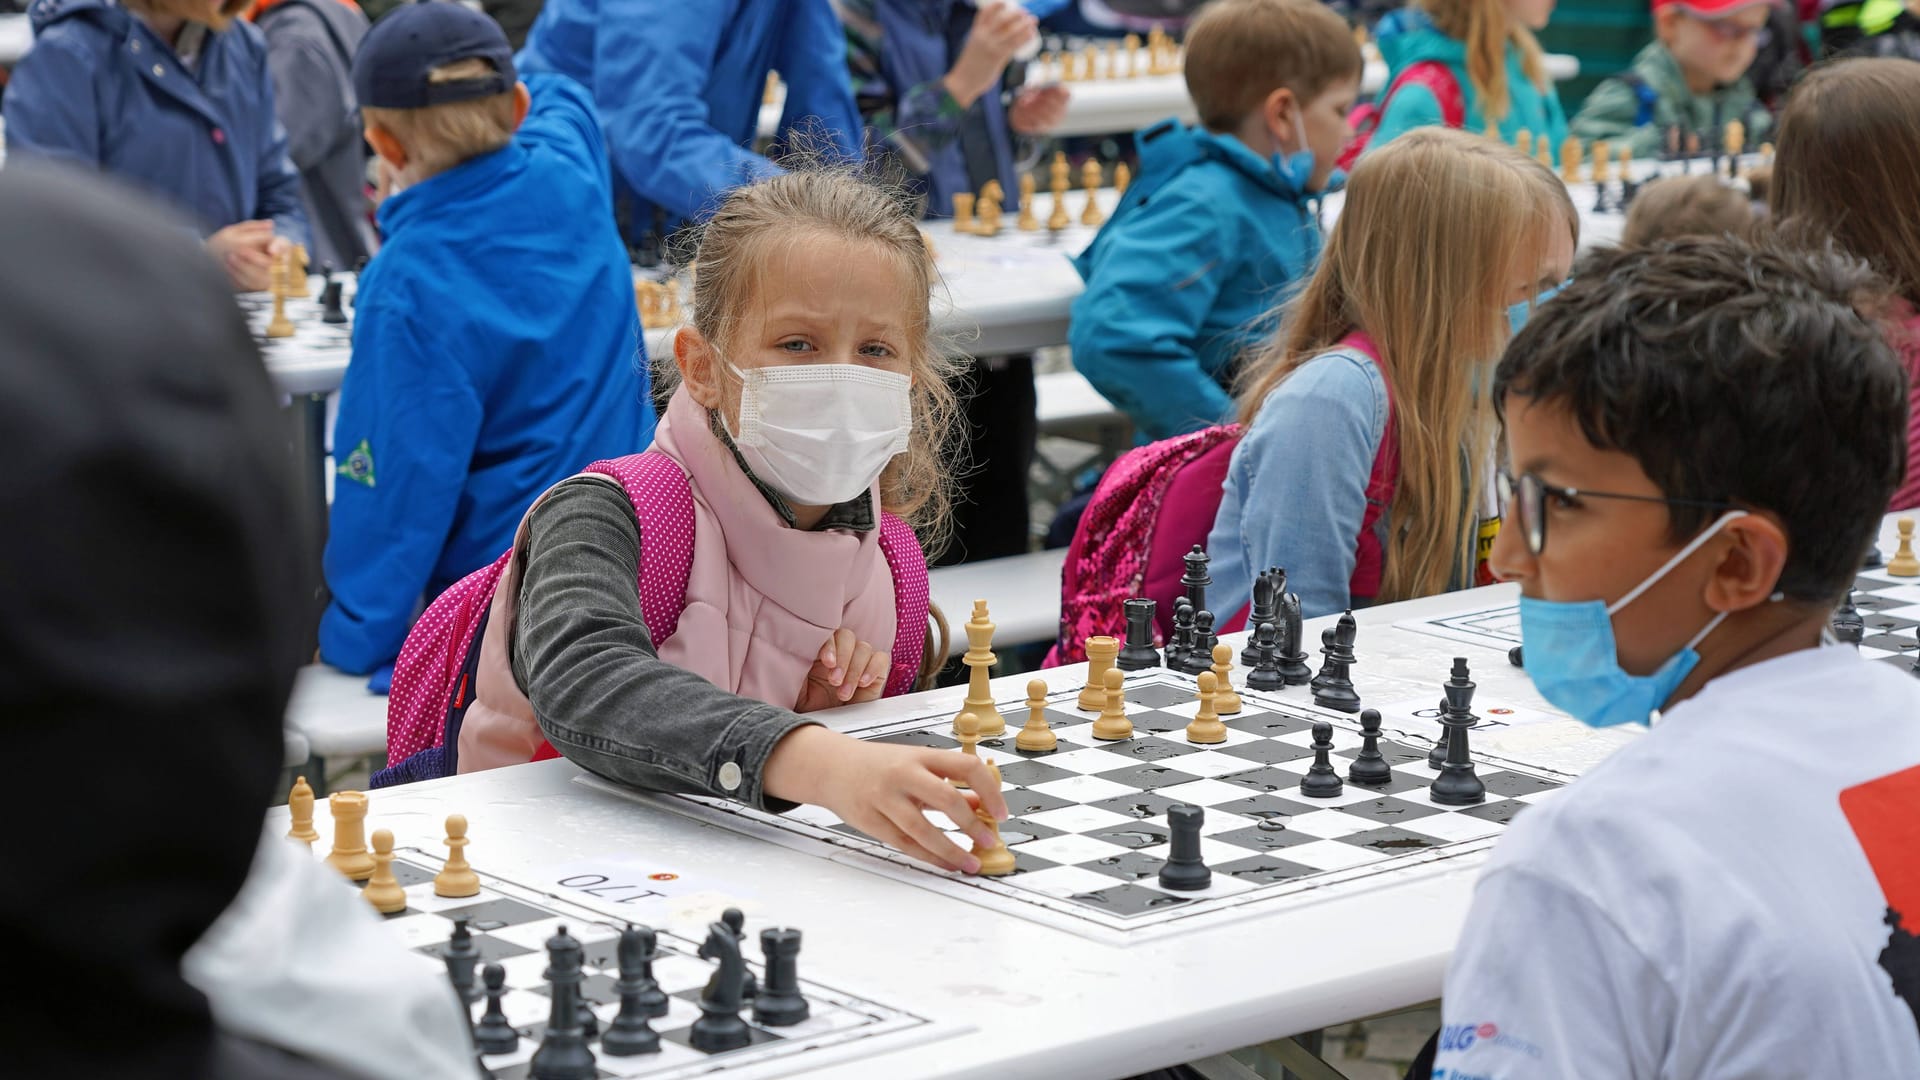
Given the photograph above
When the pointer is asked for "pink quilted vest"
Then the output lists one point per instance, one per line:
(728, 591)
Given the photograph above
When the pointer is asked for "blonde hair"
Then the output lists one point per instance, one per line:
(1240, 51)
(438, 137)
(735, 248)
(1486, 29)
(191, 11)
(1420, 259)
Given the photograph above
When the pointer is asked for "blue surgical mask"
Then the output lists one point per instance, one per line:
(1573, 662)
(1297, 167)
(1517, 314)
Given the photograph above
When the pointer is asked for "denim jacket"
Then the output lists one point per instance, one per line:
(1296, 488)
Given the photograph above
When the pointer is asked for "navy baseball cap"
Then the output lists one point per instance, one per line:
(390, 70)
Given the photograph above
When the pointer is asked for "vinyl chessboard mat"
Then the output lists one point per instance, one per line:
(510, 924)
(310, 335)
(1890, 605)
(1089, 830)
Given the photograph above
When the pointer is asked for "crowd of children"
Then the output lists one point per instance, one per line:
(665, 569)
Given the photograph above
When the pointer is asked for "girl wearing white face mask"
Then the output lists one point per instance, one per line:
(769, 531)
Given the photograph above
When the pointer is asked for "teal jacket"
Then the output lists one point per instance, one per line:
(1623, 113)
(1408, 37)
(1182, 278)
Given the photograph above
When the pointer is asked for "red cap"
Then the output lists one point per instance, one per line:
(1708, 9)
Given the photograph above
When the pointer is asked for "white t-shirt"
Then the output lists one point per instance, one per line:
(1713, 900)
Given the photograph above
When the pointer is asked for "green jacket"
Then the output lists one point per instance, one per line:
(1614, 110)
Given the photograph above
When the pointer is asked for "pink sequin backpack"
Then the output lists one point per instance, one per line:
(433, 680)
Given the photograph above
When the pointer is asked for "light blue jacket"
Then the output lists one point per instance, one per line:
(1296, 489)
(679, 86)
(1181, 279)
(1408, 37)
(496, 352)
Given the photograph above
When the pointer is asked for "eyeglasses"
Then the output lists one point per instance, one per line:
(1726, 30)
(1530, 506)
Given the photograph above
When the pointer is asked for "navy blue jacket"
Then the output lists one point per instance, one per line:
(679, 88)
(496, 352)
(102, 89)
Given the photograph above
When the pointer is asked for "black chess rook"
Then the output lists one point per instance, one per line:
(1138, 653)
(1184, 869)
(779, 1003)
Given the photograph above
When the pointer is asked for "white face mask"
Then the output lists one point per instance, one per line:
(820, 434)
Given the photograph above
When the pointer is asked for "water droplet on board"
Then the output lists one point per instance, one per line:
(1397, 844)
(1167, 901)
(1012, 838)
(1141, 810)
(1141, 838)
(1271, 826)
(1097, 897)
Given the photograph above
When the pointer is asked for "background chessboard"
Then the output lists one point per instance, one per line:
(1089, 830)
(1890, 605)
(310, 335)
(511, 923)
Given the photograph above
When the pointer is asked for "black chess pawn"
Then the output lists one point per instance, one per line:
(1293, 654)
(1915, 669)
(1194, 582)
(1848, 624)
(1321, 782)
(779, 1003)
(1266, 670)
(1204, 639)
(1185, 870)
(1182, 643)
(493, 1035)
(1333, 687)
(1437, 756)
(628, 1033)
(1458, 784)
(1266, 609)
(1370, 769)
(1517, 657)
(563, 1053)
(1138, 653)
(461, 956)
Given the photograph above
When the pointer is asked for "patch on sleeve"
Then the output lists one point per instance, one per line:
(359, 465)
(1885, 817)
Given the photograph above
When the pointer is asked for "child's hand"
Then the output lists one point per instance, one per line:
(999, 30)
(847, 670)
(246, 250)
(884, 790)
(1037, 110)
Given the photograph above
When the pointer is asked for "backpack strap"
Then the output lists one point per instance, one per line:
(1432, 74)
(911, 598)
(662, 501)
(1645, 96)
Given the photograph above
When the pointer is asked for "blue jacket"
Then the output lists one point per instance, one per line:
(101, 89)
(1408, 37)
(1296, 490)
(495, 353)
(679, 88)
(1183, 277)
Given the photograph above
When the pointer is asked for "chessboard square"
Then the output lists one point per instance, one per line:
(1133, 835)
(1204, 792)
(411, 874)
(488, 915)
(933, 739)
(534, 935)
(1266, 751)
(1082, 789)
(1267, 725)
(490, 949)
(1907, 612)
(1212, 850)
(1085, 761)
(1072, 850)
(1151, 747)
(1267, 779)
(523, 1007)
(684, 1037)
(1265, 807)
(1342, 739)
(1391, 840)
(1331, 855)
(823, 1018)
(1016, 831)
(1397, 754)
(1159, 695)
(1148, 777)
(1128, 900)
(670, 1057)
(1511, 784)
(526, 970)
(1024, 863)
(1064, 881)
(418, 928)
(597, 989)
(1219, 886)
(1262, 870)
(1258, 839)
(1027, 773)
(1138, 805)
(1026, 802)
(1213, 764)
(1077, 818)
(1160, 721)
(1131, 866)
(1388, 810)
(1872, 653)
(1402, 779)
(676, 972)
(1329, 824)
(1498, 811)
(1455, 828)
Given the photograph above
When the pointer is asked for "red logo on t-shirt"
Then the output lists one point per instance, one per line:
(1487, 1031)
(1885, 816)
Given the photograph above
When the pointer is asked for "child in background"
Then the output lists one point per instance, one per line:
(1219, 225)
(495, 341)
(1692, 76)
(1470, 64)
(928, 76)
(1676, 206)
(1685, 514)
(811, 424)
(1365, 466)
(310, 46)
(1848, 169)
(176, 97)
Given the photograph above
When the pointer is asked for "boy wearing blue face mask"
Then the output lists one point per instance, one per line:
(1219, 224)
(1701, 438)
